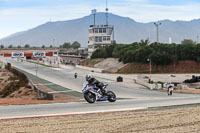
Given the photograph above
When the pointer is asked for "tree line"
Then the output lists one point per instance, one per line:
(158, 53)
(66, 45)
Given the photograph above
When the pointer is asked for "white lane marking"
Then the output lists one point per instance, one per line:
(44, 84)
(59, 91)
(57, 68)
(76, 113)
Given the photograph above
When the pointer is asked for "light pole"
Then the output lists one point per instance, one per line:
(36, 68)
(54, 42)
(149, 69)
(169, 79)
(157, 29)
(94, 13)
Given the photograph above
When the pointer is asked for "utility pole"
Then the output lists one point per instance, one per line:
(36, 68)
(149, 69)
(157, 29)
(197, 39)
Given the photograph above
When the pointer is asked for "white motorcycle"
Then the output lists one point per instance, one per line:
(92, 94)
(170, 90)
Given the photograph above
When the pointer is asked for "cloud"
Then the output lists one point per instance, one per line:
(150, 12)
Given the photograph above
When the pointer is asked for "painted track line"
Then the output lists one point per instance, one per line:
(76, 113)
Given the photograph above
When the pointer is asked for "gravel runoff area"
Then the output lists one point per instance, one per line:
(176, 119)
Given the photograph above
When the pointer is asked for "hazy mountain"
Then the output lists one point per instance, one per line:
(126, 31)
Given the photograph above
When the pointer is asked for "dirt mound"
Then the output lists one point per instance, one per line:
(110, 65)
(12, 87)
(12, 91)
(135, 68)
(186, 66)
(91, 62)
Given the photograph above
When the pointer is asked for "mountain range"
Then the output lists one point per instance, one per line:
(126, 30)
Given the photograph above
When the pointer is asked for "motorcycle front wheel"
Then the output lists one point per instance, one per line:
(111, 96)
(89, 97)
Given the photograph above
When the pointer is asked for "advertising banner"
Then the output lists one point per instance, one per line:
(39, 54)
(18, 54)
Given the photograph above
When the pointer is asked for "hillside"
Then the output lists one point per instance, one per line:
(187, 66)
(110, 65)
(126, 31)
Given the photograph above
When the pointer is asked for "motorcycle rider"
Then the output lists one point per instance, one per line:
(91, 80)
(170, 89)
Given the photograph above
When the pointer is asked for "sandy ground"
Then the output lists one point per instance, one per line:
(28, 95)
(21, 101)
(175, 120)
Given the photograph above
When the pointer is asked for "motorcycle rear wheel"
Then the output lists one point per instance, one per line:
(89, 97)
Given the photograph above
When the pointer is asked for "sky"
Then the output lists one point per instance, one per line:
(21, 15)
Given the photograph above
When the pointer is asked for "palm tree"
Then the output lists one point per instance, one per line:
(144, 43)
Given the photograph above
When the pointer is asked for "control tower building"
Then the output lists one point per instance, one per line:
(100, 35)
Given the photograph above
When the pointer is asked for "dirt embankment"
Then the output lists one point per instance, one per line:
(182, 119)
(12, 88)
(15, 91)
(113, 65)
(110, 65)
(187, 66)
(91, 62)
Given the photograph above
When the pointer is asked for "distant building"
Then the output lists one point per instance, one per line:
(73, 57)
(100, 35)
(83, 51)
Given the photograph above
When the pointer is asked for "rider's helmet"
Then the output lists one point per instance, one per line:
(170, 86)
(88, 77)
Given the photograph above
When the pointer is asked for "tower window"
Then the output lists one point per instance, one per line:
(104, 30)
(96, 31)
(96, 39)
(100, 30)
(100, 39)
(104, 38)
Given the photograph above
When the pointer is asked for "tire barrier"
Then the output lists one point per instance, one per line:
(194, 79)
(119, 79)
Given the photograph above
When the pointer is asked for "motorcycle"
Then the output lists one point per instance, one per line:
(170, 89)
(92, 94)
